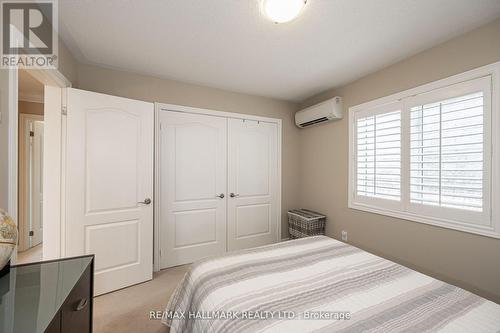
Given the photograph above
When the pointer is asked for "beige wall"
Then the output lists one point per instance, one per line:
(464, 259)
(30, 108)
(151, 89)
(68, 66)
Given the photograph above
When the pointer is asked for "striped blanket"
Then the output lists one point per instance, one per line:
(318, 284)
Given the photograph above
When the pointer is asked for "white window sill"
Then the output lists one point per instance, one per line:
(482, 230)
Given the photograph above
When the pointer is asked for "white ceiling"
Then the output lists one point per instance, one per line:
(227, 44)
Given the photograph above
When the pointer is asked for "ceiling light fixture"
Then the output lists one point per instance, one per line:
(281, 11)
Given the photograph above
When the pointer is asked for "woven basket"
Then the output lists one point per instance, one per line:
(304, 223)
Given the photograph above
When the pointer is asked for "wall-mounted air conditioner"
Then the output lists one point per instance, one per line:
(320, 113)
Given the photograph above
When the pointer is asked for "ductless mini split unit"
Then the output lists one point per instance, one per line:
(320, 113)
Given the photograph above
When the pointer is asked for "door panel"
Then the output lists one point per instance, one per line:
(109, 172)
(253, 178)
(252, 158)
(253, 220)
(192, 175)
(195, 142)
(112, 184)
(195, 228)
(126, 246)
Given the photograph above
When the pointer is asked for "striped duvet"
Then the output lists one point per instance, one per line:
(318, 284)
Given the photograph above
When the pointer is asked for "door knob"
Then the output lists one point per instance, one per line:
(146, 201)
(220, 196)
(233, 195)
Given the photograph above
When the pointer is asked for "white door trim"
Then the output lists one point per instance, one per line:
(180, 108)
(52, 78)
(53, 173)
(188, 109)
(53, 159)
(23, 212)
(13, 145)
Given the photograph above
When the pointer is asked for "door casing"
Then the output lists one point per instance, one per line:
(23, 213)
(54, 82)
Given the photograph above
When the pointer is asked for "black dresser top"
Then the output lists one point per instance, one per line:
(32, 294)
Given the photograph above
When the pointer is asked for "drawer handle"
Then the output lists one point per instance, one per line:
(82, 304)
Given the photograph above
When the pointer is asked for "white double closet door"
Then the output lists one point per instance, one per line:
(218, 185)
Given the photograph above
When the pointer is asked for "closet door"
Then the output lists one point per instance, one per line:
(252, 183)
(193, 158)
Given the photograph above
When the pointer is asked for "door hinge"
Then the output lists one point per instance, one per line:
(32, 133)
(31, 233)
(64, 110)
(161, 253)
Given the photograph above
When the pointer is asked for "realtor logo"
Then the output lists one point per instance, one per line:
(29, 34)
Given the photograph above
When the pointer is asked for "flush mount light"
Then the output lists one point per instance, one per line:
(281, 11)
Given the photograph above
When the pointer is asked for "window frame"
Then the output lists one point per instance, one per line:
(486, 223)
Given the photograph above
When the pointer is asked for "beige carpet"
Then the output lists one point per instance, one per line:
(127, 310)
(33, 254)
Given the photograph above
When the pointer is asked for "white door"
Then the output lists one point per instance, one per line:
(36, 183)
(192, 187)
(252, 183)
(109, 186)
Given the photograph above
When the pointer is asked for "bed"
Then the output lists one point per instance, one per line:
(319, 284)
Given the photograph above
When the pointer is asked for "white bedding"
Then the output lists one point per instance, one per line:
(293, 286)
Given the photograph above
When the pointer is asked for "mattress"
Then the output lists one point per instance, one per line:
(319, 284)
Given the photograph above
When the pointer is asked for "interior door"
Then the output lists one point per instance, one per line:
(192, 186)
(109, 186)
(252, 183)
(36, 183)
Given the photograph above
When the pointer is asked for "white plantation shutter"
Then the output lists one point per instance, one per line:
(447, 153)
(379, 155)
(427, 156)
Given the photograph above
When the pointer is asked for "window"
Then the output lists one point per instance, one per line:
(379, 155)
(426, 155)
(446, 153)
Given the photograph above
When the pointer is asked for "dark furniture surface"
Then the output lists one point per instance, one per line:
(51, 296)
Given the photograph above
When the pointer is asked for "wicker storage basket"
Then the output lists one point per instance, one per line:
(304, 223)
